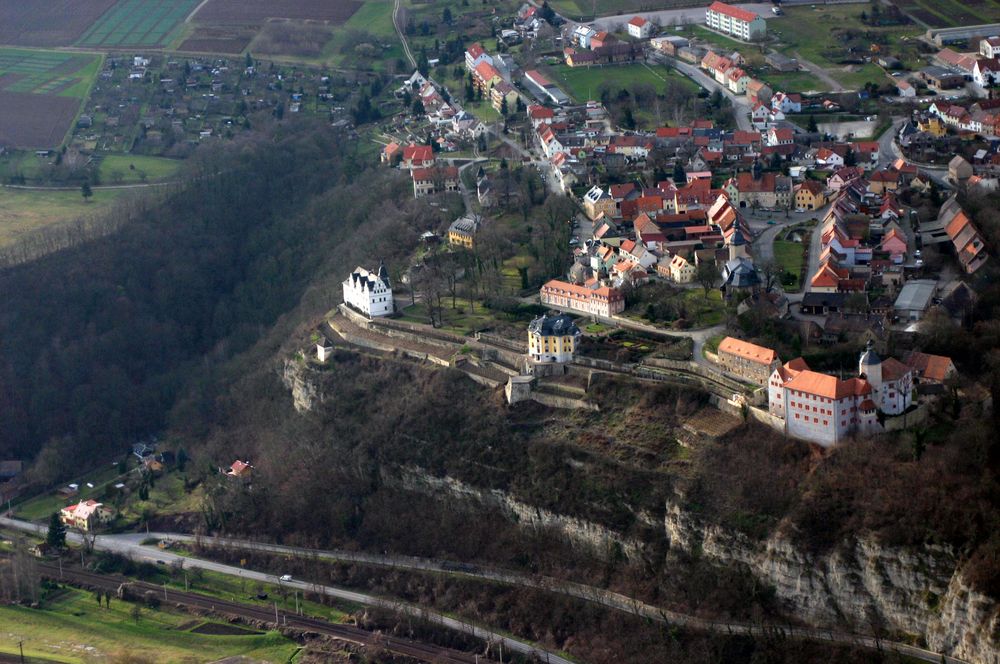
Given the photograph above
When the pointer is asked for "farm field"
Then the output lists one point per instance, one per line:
(950, 13)
(40, 94)
(255, 11)
(584, 83)
(71, 628)
(48, 22)
(577, 9)
(228, 40)
(138, 23)
(24, 211)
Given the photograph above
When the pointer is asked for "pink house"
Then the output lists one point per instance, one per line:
(894, 244)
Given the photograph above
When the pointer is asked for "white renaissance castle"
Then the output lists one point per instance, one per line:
(369, 292)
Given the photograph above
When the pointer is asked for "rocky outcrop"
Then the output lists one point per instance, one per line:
(918, 592)
(305, 392)
(581, 531)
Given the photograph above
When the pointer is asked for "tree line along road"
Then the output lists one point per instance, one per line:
(130, 546)
(606, 598)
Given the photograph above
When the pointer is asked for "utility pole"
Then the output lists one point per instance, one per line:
(20, 646)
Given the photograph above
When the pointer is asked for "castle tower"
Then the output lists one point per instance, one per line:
(870, 366)
(737, 244)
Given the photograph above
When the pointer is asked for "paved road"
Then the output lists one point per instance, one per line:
(741, 107)
(129, 545)
(466, 193)
(887, 149)
(600, 596)
(669, 17)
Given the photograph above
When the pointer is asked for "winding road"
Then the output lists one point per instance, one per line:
(130, 546)
(131, 543)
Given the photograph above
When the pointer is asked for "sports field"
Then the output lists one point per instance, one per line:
(138, 23)
(41, 93)
(585, 83)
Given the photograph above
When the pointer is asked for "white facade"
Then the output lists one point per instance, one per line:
(681, 271)
(891, 381)
(736, 22)
(825, 409)
(639, 28)
(475, 56)
(827, 420)
(369, 292)
(990, 47)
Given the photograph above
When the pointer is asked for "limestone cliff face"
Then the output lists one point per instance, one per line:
(915, 591)
(581, 531)
(305, 391)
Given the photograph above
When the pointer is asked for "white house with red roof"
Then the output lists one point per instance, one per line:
(639, 28)
(737, 80)
(780, 136)
(735, 21)
(539, 115)
(85, 515)
(787, 103)
(417, 156)
(475, 55)
(829, 158)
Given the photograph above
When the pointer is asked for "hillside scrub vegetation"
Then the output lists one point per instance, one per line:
(100, 339)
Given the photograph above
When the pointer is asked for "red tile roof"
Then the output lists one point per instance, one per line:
(893, 369)
(419, 152)
(830, 387)
(735, 12)
(747, 350)
(932, 367)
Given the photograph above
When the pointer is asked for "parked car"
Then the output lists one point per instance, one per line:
(286, 577)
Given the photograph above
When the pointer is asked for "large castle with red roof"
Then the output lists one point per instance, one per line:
(825, 409)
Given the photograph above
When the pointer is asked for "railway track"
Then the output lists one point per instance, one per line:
(347, 633)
